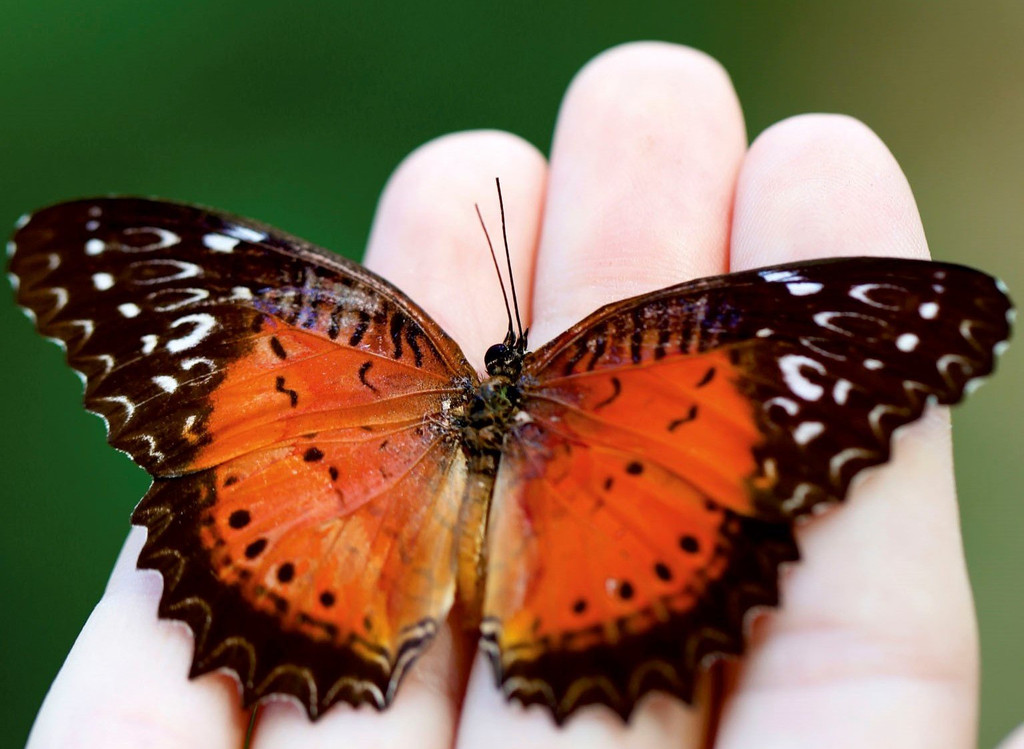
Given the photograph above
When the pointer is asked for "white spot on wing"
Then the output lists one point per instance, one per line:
(907, 342)
(203, 323)
(95, 246)
(824, 319)
(86, 326)
(11, 247)
(799, 498)
(971, 385)
(798, 384)
(22, 220)
(245, 233)
(787, 404)
(807, 431)
(129, 407)
(804, 288)
(220, 243)
(840, 459)
(184, 270)
(128, 309)
(102, 281)
(194, 296)
(60, 294)
(95, 211)
(149, 343)
(166, 383)
(878, 413)
(92, 225)
(841, 391)
(872, 364)
(947, 361)
(861, 293)
(764, 333)
(928, 310)
(150, 441)
(775, 276)
(241, 292)
(1001, 286)
(196, 361)
(166, 238)
(107, 361)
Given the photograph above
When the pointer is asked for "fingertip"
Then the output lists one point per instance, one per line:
(822, 185)
(632, 63)
(649, 140)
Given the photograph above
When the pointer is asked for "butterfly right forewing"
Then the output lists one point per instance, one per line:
(833, 356)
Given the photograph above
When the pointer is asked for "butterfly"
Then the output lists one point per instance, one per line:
(331, 475)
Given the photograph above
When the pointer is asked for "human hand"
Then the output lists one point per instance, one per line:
(650, 183)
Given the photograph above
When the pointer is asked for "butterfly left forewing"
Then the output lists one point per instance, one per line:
(153, 301)
(644, 502)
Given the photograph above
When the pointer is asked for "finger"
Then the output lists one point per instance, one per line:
(875, 643)
(1015, 740)
(427, 240)
(648, 143)
(125, 681)
(644, 162)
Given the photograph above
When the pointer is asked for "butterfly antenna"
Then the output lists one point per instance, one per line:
(508, 261)
(497, 269)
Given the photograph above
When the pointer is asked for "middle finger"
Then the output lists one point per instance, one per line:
(648, 144)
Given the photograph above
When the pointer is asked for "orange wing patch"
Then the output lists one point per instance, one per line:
(622, 507)
(682, 421)
(293, 382)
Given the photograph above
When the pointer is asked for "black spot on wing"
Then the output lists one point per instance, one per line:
(690, 416)
(277, 348)
(411, 335)
(616, 392)
(365, 367)
(636, 339)
(361, 328)
(398, 320)
(293, 395)
(708, 376)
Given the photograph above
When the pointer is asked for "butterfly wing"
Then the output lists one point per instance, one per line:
(285, 400)
(644, 502)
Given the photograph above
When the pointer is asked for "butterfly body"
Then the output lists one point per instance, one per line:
(330, 474)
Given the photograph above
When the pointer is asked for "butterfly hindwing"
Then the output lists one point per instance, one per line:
(645, 502)
(304, 507)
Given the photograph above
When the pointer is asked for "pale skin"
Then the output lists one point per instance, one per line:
(650, 183)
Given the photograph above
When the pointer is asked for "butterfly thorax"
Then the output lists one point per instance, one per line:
(491, 413)
(494, 405)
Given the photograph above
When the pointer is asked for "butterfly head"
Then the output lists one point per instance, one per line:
(505, 359)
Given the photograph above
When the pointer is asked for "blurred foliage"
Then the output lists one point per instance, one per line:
(295, 113)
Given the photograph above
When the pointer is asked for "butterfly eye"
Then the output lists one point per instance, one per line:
(503, 360)
(496, 355)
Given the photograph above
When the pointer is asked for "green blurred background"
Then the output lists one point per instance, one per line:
(295, 113)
